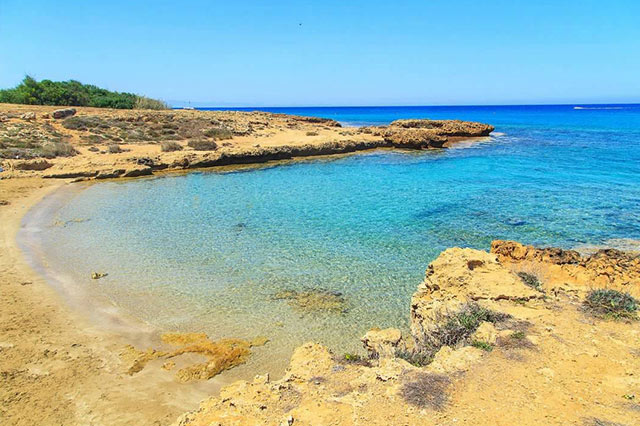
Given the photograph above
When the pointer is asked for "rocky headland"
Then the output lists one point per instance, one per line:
(91, 143)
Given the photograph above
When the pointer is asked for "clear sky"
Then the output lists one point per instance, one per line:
(331, 52)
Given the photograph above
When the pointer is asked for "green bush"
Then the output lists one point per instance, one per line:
(218, 133)
(73, 93)
(611, 304)
(530, 280)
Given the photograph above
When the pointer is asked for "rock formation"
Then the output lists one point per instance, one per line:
(534, 358)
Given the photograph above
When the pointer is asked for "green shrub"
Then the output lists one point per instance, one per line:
(482, 345)
(72, 93)
(170, 146)
(530, 280)
(218, 133)
(418, 359)
(312, 133)
(142, 102)
(203, 145)
(611, 304)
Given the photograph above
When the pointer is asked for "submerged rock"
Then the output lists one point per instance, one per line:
(314, 300)
(221, 354)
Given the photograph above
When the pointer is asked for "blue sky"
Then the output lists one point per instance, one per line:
(290, 53)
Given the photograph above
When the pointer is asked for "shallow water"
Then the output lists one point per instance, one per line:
(208, 251)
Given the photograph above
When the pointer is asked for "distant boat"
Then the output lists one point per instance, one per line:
(188, 107)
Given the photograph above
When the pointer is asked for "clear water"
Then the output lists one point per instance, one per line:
(207, 251)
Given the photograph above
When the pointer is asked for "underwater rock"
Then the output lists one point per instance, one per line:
(98, 275)
(221, 354)
(314, 300)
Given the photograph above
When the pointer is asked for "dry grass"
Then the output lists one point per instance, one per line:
(203, 145)
(428, 390)
(170, 146)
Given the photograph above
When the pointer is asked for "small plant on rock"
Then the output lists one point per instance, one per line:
(488, 347)
(530, 280)
(612, 304)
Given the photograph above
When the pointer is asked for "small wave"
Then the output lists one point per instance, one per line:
(612, 107)
(497, 134)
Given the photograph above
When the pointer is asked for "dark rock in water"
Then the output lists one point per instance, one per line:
(314, 300)
(64, 113)
(515, 222)
(240, 226)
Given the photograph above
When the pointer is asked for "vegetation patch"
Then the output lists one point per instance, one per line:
(203, 145)
(455, 330)
(218, 133)
(530, 280)
(611, 304)
(416, 358)
(73, 93)
(170, 146)
(428, 390)
(487, 347)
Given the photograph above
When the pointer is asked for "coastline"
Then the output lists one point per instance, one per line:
(75, 371)
(58, 367)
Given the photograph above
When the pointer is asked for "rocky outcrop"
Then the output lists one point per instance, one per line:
(459, 277)
(492, 381)
(605, 268)
(426, 134)
(63, 113)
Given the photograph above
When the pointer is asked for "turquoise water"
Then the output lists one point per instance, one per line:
(208, 251)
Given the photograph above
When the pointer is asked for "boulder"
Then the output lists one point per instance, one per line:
(38, 165)
(64, 113)
(28, 116)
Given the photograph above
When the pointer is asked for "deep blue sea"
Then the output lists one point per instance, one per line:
(207, 251)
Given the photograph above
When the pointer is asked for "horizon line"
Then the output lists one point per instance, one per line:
(405, 106)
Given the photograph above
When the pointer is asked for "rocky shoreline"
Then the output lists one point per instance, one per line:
(106, 144)
(517, 335)
(487, 346)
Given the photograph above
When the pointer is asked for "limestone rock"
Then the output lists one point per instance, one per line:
(382, 343)
(486, 332)
(448, 360)
(605, 268)
(460, 276)
(310, 360)
(28, 116)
